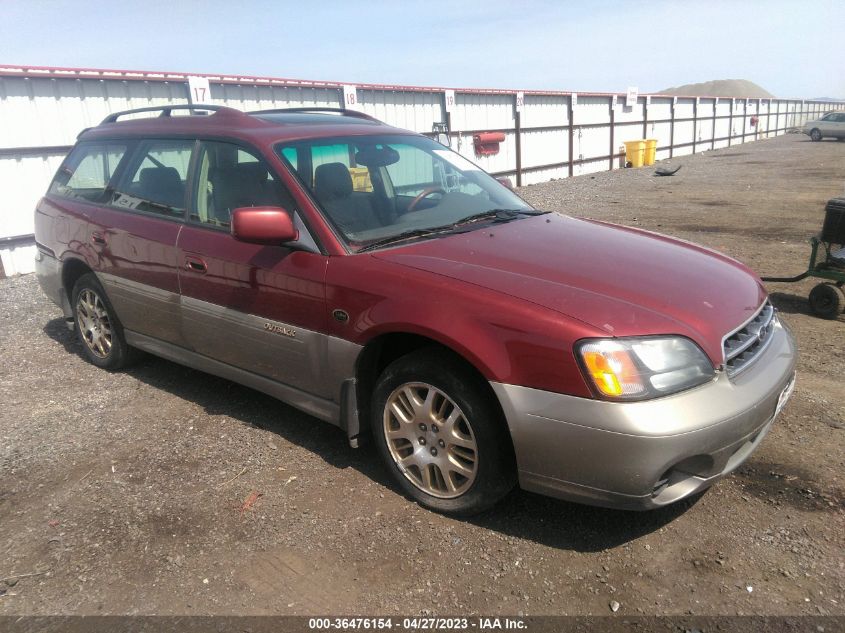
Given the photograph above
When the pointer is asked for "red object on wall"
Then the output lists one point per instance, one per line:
(753, 121)
(487, 143)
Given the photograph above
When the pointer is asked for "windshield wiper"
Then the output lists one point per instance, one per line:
(406, 235)
(498, 215)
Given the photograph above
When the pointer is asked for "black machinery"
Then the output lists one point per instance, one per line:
(826, 262)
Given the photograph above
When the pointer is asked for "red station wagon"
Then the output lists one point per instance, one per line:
(381, 282)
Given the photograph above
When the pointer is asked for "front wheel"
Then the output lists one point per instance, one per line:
(815, 134)
(440, 434)
(97, 325)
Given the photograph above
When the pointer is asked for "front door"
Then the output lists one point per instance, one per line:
(260, 308)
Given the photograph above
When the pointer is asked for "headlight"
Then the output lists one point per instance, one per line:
(642, 368)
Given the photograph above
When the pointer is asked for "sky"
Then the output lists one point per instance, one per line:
(791, 48)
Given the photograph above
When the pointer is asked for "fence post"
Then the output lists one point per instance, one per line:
(645, 116)
(768, 117)
(518, 127)
(571, 138)
(694, 124)
(731, 123)
(672, 128)
(715, 106)
(612, 132)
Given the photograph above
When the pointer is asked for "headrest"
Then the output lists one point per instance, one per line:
(332, 180)
(253, 172)
(160, 178)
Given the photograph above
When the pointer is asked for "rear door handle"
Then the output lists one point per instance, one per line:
(98, 238)
(195, 265)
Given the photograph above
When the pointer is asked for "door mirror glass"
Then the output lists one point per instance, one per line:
(263, 225)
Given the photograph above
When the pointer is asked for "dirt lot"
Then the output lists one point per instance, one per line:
(124, 493)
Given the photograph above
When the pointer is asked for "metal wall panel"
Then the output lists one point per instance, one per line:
(591, 110)
(475, 111)
(417, 111)
(541, 148)
(545, 111)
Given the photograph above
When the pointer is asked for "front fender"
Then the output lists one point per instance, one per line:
(506, 339)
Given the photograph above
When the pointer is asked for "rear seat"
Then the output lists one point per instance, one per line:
(162, 185)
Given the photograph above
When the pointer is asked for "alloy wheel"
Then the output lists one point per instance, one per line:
(94, 323)
(430, 440)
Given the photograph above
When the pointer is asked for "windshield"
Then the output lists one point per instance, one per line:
(374, 188)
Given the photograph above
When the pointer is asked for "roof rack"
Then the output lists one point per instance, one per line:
(167, 109)
(343, 111)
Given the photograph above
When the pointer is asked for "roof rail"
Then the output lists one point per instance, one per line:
(343, 111)
(167, 109)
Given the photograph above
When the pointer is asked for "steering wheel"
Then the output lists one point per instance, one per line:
(422, 195)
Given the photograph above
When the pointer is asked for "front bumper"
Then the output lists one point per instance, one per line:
(645, 455)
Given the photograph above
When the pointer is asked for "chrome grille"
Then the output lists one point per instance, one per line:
(742, 347)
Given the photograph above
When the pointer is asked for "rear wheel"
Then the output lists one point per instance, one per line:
(826, 301)
(97, 326)
(440, 435)
(815, 134)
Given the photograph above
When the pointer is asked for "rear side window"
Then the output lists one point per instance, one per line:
(87, 171)
(155, 180)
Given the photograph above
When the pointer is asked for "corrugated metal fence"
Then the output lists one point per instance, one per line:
(547, 134)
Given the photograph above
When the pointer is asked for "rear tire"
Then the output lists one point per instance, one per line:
(815, 134)
(826, 301)
(441, 435)
(97, 326)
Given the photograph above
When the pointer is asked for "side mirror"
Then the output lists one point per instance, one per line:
(506, 182)
(263, 225)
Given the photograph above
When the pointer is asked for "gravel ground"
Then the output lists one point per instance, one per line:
(162, 490)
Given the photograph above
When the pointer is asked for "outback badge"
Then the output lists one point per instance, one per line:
(279, 329)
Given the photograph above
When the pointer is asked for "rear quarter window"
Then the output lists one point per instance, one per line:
(87, 171)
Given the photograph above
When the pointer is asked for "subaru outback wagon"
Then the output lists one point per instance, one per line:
(378, 281)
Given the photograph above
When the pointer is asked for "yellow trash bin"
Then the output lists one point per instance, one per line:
(650, 150)
(635, 152)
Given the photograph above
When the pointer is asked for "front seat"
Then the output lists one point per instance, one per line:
(333, 190)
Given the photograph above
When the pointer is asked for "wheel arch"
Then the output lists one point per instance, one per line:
(383, 349)
(72, 269)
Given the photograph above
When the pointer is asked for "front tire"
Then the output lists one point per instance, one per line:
(97, 326)
(441, 435)
(815, 134)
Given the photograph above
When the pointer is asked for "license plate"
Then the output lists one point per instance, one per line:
(784, 395)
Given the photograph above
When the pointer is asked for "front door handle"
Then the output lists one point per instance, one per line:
(98, 238)
(195, 265)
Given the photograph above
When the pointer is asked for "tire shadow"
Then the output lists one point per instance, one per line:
(573, 526)
(791, 303)
(544, 520)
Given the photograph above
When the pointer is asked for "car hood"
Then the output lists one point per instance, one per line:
(622, 281)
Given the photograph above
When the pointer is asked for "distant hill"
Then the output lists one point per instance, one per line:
(720, 88)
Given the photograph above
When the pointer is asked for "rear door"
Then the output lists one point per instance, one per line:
(839, 125)
(135, 234)
(260, 308)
